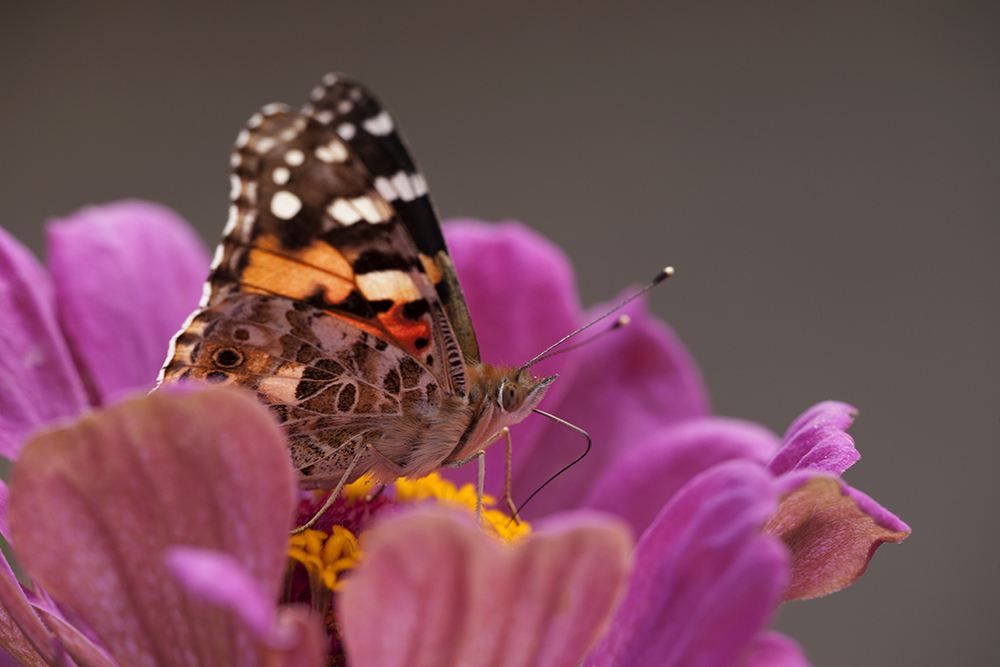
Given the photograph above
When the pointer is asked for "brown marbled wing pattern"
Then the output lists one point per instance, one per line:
(333, 386)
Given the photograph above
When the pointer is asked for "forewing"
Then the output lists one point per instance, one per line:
(307, 223)
(349, 109)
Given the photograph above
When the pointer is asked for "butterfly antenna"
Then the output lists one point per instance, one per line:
(565, 467)
(622, 321)
(660, 277)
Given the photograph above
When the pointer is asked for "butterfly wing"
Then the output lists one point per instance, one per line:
(318, 298)
(347, 107)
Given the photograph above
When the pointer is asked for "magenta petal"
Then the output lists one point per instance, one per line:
(126, 275)
(831, 531)
(434, 592)
(817, 440)
(638, 484)
(706, 579)
(38, 381)
(773, 649)
(629, 384)
(305, 642)
(522, 298)
(83, 651)
(220, 579)
(95, 506)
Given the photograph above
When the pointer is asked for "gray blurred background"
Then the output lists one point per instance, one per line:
(824, 176)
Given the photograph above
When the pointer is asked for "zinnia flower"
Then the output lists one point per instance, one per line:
(129, 518)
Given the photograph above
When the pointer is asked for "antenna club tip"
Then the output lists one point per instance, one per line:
(622, 321)
(664, 274)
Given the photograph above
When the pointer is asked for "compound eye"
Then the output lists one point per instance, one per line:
(510, 397)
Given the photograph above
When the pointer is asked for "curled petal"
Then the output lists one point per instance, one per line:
(630, 383)
(126, 275)
(290, 637)
(831, 531)
(434, 592)
(637, 485)
(220, 579)
(305, 641)
(817, 440)
(521, 294)
(706, 579)
(94, 507)
(773, 649)
(38, 382)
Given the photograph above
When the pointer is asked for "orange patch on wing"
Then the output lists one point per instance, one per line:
(298, 275)
(407, 331)
(431, 268)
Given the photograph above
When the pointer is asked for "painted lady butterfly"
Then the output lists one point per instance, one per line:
(332, 295)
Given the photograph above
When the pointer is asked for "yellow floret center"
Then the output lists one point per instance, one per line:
(434, 486)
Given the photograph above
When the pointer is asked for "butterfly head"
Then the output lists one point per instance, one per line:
(506, 395)
(519, 392)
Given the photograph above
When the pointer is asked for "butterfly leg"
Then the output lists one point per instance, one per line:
(332, 498)
(507, 497)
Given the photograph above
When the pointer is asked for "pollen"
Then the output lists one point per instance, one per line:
(325, 556)
(435, 487)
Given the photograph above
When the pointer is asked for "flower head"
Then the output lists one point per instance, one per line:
(156, 530)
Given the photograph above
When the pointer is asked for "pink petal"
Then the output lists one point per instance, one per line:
(773, 649)
(220, 579)
(22, 633)
(817, 440)
(642, 481)
(630, 383)
(831, 531)
(521, 294)
(289, 637)
(706, 579)
(83, 651)
(126, 274)
(434, 592)
(20, 628)
(38, 381)
(95, 506)
(306, 643)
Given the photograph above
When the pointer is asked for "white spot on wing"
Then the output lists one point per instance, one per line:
(231, 222)
(295, 157)
(367, 209)
(385, 189)
(379, 125)
(264, 144)
(285, 205)
(341, 211)
(235, 160)
(217, 257)
(419, 184)
(273, 108)
(329, 79)
(280, 175)
(344, 106)
(255, 120)
(346, 131)
(324, 116)
(235, 187)
(393, 285)
(401, 181)
(332, 152)
(242, 138)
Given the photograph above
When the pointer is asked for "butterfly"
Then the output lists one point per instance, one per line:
(333, 296)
